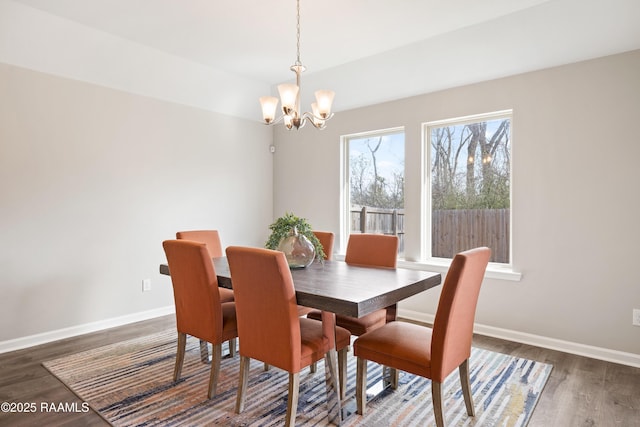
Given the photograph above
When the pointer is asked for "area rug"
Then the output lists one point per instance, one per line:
(131, 384)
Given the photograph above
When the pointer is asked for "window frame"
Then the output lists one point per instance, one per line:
(504, 270)
(345, 178)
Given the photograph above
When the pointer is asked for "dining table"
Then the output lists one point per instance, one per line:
(337, 287)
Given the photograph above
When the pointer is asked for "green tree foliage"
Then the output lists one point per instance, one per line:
(368, 186)
(470, 166)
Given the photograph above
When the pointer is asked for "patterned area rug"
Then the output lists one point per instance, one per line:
(131, 384)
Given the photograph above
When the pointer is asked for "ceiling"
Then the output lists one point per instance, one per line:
(343, 39)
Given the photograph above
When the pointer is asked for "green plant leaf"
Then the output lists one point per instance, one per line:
(283, 226)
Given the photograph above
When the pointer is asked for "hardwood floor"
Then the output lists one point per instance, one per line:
(581, 392)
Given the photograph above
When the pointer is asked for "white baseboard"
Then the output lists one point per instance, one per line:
(46, 337)
(615, 356)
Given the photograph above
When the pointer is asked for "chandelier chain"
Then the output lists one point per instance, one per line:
(298, 33)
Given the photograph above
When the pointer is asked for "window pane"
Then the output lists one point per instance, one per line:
(376, 183)
(470, 181)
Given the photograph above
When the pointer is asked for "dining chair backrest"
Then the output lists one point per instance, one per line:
(377, 250)
(195, 289)
(453, 323)
(266, 309)
(326, 239)
(209, 237)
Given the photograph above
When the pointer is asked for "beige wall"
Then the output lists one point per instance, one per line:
(575, 196)
(92, 180)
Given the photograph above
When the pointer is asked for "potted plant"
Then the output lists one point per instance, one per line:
(290, 225)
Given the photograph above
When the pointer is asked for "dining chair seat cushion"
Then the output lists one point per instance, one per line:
(229, 321)
(314, 346)
(226, 295)
(357, 326)
(362, 325)
(403, 345)
(303, 311)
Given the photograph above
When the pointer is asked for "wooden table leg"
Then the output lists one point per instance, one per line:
(334, 405)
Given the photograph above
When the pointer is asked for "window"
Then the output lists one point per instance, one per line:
(373, 165)
(469, 197)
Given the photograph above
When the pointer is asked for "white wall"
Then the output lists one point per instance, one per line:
(575, 196)
(92, 180)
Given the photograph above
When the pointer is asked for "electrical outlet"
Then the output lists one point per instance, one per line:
(636, 317)
(146, 285)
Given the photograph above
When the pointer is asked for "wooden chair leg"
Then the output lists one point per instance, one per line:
(204, 351)
(292, 400)
(391, 377)
(436, 394)
(242, 385)
(266, 367)
(313, 367)
(466, 387)
(395, 378)
(216, 358)
(342, 372)
(182, 343)
(232, 347)
(361, 385)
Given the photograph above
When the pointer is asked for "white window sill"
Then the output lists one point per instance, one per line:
(441, 265)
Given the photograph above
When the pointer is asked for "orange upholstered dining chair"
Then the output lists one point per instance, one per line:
(199, 311)
(269, 327)
(211, 238)
(431, 352)
(368, 250)
(326, 239)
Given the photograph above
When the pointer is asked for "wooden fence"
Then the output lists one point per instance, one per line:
(453, 231)
(379, 221)
(457, 230)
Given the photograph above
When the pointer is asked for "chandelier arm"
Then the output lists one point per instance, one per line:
(277, 120)
(317, 122)
(318, 125)
(312, 116)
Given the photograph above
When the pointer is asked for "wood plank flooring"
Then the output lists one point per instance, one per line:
(581, 392)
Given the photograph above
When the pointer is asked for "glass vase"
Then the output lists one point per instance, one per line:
(298, 249)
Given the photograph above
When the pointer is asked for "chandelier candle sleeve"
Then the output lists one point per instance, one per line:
(269, 105)
(290, 98)
(324, 99)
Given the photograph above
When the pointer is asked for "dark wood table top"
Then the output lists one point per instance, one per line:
(346, 289)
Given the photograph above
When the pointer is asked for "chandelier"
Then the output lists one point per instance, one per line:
(290, 97)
